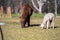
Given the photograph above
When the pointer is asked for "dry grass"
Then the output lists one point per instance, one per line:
(13, 31)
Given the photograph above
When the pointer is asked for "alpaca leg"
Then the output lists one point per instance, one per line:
(53, 24)
(42, 25)
(47, 24)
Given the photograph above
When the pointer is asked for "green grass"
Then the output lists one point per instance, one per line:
(12, 29)
(37, 15)
(58, 14)
(15, 15)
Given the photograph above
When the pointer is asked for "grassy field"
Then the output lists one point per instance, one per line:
(12, 29)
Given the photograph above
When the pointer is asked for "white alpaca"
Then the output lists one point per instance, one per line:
(48, 18)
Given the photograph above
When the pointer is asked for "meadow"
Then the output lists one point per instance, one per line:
(12, 29)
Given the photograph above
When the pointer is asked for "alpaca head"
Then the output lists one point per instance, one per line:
(42, 25)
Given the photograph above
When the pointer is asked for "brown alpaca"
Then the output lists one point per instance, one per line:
(26, 12)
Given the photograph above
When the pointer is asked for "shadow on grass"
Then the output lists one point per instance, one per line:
(52, 27)
(33, 25)
(56, 26)
(1, 34)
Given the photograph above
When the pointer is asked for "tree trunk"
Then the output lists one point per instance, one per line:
(40, 4)
(40, 9)
(56, 7)
(9, 12)
(16, 9)
(1, 11)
